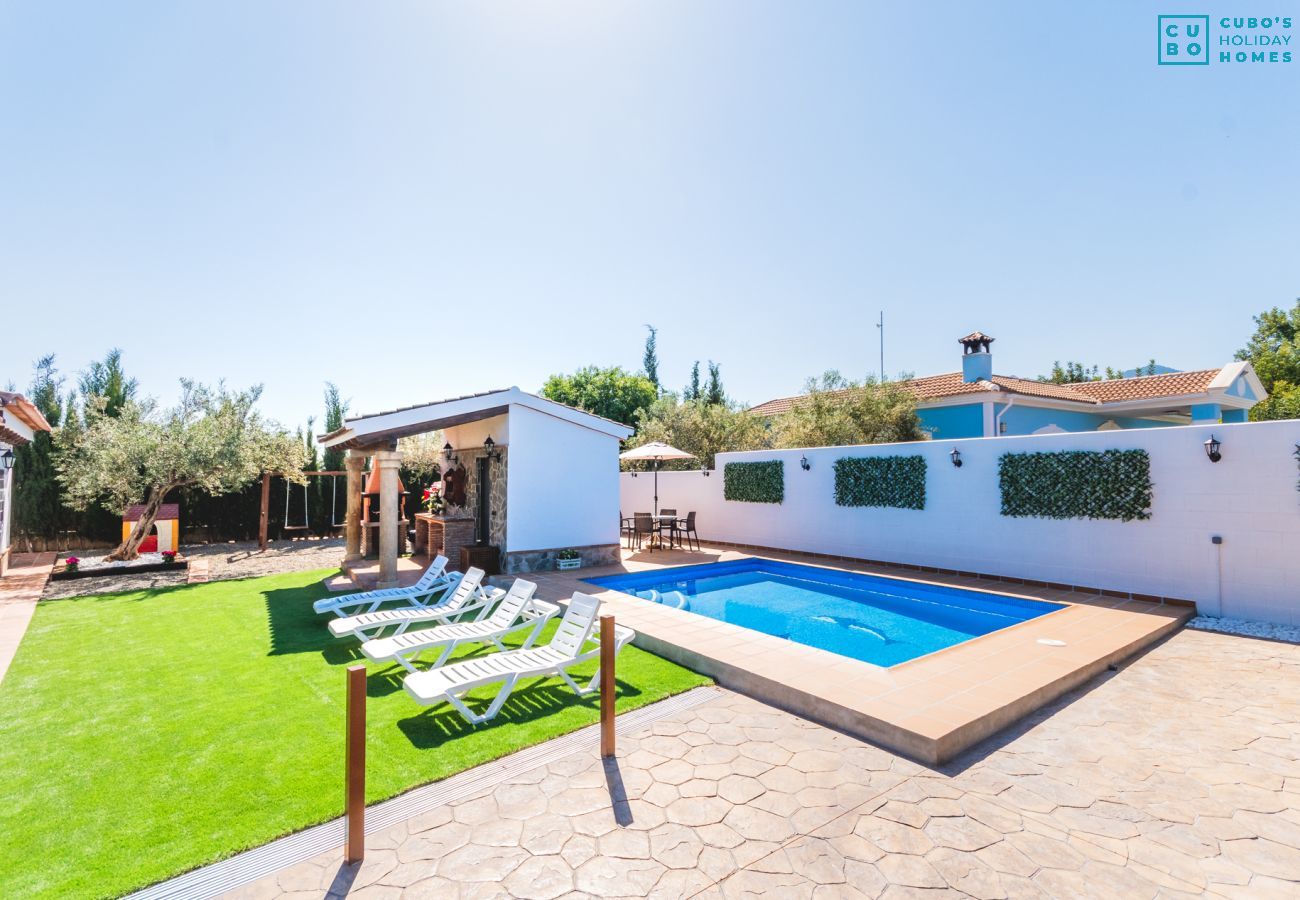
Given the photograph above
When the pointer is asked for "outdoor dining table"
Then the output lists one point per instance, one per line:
(659, 521)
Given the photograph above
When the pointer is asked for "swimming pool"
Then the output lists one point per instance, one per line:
(883, 621)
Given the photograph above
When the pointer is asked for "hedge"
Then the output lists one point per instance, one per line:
(1077, 484)
(897, 481)
(754, 482)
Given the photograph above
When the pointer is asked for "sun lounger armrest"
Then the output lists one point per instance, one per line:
(541, 609)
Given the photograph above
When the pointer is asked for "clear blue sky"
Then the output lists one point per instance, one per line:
(292, 192)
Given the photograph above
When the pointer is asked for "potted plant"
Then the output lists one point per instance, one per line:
(70, 564)
(433, 501)
(169, 557)
(568, 559)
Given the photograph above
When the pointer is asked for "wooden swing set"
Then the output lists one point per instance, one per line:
(264, 519)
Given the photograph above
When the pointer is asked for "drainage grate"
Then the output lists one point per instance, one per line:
(247, 867)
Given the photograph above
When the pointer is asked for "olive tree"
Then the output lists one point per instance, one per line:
(214, 441)
(835, 412)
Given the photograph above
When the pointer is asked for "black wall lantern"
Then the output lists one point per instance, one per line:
(956, 457)
(447, 451)
(704, 471)
(491, 447)
(6, 459)
(1212, 449)
(804, 464)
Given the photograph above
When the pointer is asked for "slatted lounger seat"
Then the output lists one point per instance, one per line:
(572, 645)
(468, 600)
(518, 611)
(435, 581)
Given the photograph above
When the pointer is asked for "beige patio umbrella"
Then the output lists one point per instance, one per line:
(657, 451)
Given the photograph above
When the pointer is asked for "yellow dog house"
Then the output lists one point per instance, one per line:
(167, 527)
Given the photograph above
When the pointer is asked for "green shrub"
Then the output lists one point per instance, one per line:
(754, 482)
(897, 481)
(1077, 484)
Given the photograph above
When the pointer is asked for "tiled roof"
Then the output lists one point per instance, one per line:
(1148, 387)
(166, 512)
(24, 410)
(936, 387)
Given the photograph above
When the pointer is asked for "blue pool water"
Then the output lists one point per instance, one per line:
(883, 621)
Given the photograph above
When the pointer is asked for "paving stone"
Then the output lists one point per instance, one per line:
(1265, 857)
(910, 871)
(893, 837)
(1178, 775)
(540, 878)
(739, 789)
(614, 877)
(545, 834)
(477, 863)
(960, 833)
(755, 824)
(698, 811)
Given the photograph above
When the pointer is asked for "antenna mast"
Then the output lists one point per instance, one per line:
(881, 326)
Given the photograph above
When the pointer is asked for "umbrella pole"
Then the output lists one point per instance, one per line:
(656, 491)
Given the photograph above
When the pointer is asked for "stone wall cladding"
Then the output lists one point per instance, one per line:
(544, 560)
(500, 474)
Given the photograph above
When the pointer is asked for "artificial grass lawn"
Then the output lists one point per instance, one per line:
(144, 734)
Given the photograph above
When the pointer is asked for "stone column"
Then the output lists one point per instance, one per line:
(355, 462)
(388, 462)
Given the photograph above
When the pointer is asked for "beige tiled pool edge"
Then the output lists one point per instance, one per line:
(931, 708)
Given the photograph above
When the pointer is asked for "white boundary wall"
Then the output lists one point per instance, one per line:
(1249, 498)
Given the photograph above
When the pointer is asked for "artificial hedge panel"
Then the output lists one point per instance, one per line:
(1077, 484)
(754, 482)
(897, 481)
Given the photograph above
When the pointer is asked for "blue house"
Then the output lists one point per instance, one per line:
(976, 403)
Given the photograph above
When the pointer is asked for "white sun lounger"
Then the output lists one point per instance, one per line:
(516, 612)
(436, 580)
(572, 645)
(469, 599)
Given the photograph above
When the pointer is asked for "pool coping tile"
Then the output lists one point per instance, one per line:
(930, 708)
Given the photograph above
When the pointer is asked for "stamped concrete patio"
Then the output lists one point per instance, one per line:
(1178, 775)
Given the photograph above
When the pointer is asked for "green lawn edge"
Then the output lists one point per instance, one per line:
(149, 733)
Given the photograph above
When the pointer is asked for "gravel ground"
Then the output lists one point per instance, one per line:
(244, 560)
(232, 560)
(1247, 628)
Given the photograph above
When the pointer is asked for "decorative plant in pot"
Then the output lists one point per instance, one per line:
(568, 559)
(71, 563)
(433, 500)
(169, 557)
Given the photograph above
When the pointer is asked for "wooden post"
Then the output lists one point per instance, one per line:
(266, 510)
(607, 685)
(354, 848)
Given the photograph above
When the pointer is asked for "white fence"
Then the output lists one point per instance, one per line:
(1249, 499)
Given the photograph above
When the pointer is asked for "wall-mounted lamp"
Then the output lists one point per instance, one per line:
(956, 457)
(632, 473)
(704, 472)
(447, 451)
(491, 447)
(804, 464)
(1212, 449)
(6, 459)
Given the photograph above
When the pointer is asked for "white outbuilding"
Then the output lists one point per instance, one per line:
(20, 420)
(524, 478)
